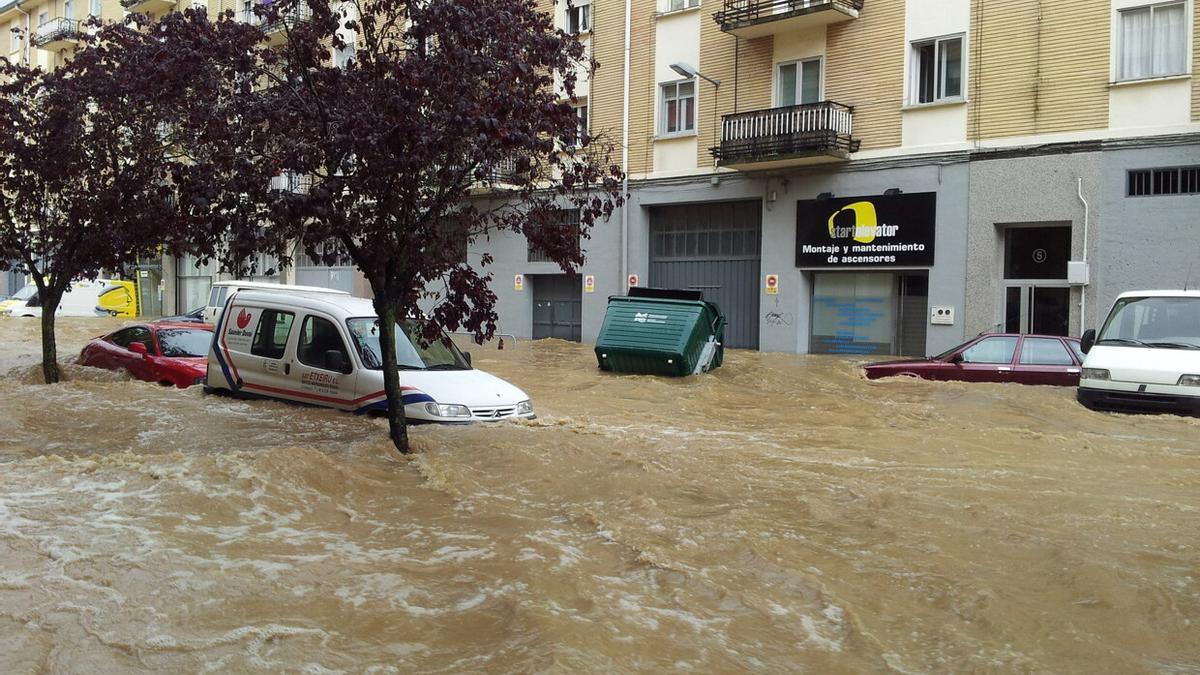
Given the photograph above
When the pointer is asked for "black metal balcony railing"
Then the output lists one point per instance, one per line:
(286, 19)
(740, 13)
(56, 30)
(824, 128)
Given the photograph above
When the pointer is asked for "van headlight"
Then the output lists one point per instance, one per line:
(525, 408)
(447, 410)
(1189, 380)
(1094, 374)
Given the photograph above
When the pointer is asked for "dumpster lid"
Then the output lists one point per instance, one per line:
(665, 293)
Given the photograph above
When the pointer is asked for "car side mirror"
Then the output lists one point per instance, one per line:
(957, 358)
(335, 360)
(139, 349)
(1088, 340)
(467, 356)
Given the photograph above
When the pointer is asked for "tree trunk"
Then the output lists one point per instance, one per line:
(49, 346)
(397, 427)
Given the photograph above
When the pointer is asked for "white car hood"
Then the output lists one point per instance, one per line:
(1142, 364)
(472, 388)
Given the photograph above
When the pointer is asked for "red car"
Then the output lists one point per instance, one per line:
(167, 353)
(996, 357)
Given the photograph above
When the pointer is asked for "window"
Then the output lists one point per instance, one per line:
(1152, 42)
(1044, 352)
(343, 56)
(318, 338)
(129, 336)
(799, 82)
(184, 342)
(581, 124)
(991, 350)
(1176, 181)
(564, 218)
(937, 70)
(270, 338)
(69, 9)
(579, 17)
(678, 108)
(94, 7)
(43, 18)
(676, 5)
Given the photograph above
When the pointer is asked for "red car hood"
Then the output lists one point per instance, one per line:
(899, 362)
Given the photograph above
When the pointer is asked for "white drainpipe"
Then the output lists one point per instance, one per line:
(625, 149)
(1083, 289)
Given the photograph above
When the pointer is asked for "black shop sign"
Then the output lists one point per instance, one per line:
(883, 231)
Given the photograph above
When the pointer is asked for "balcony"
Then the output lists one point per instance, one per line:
(813, 133)
(276, 29)
(757, 18)
(56, 34)
(294, 183)
(152, 7)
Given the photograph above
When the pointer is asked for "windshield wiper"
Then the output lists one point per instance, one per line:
(401, 366)
(445, 366)
(1128, 341)
(1173, 345)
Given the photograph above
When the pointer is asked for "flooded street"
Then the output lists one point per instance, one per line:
(780, 514)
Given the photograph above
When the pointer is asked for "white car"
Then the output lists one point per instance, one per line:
(324, 350)
(1146, 357)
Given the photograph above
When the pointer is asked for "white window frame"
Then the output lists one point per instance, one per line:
(778, 98)
(583, 121)
(939, 96)
(43, 18)
(667, 6)
(95, 7)
(69, 9)
(1119, 40)
(582, 9)
(662, 108)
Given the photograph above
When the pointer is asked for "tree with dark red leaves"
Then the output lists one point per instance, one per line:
(422, 126)
(93, 159)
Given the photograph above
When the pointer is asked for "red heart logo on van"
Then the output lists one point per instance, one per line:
(243, 319)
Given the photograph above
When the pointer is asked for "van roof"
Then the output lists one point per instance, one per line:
(1160, 294)
(278, 288)
(343, 305)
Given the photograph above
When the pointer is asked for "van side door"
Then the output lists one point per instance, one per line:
(253, 345)
(325, 370)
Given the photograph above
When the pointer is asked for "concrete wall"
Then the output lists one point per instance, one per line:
(1022, 190)
(1144, 242)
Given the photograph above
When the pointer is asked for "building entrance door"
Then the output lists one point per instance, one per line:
(1037, 309)
(1037, 298)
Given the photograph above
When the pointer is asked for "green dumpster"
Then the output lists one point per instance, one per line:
(661, 332)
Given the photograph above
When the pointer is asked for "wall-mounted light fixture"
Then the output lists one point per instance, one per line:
(686, 70)
(891, 192)
(825, 195)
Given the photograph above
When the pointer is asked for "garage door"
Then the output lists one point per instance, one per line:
(557, 307)
(714, 248)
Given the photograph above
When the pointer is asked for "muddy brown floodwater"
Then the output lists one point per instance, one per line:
(781, 514)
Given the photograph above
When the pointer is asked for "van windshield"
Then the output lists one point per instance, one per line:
(410, 355)
(1164, 322)
(25, 293)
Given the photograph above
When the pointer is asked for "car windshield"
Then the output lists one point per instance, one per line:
(410, 355)
(25, 293)
(184, 342)
(1162, 321)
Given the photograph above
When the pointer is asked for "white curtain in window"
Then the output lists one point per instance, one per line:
(1169, 50)
(1136, 37)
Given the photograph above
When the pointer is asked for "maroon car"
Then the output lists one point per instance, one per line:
(996, 357)
(167, 353)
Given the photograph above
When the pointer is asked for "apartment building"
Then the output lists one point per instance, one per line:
(857, 176)
(881, 176)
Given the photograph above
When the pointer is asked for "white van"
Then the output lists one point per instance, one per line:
(1146, 357)
(221, 290)
(323, 350)
(83, 298)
